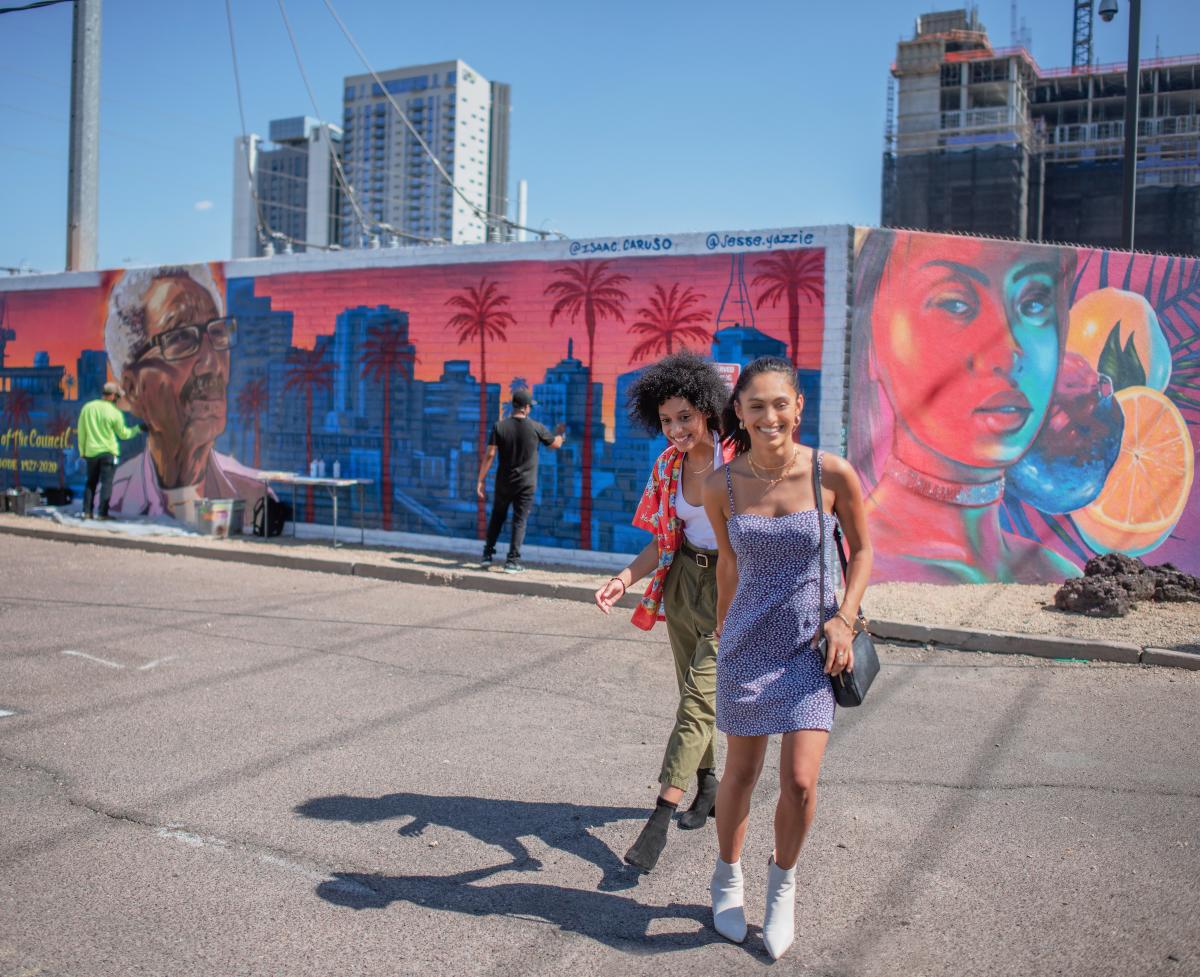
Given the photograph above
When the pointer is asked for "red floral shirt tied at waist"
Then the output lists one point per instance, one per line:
(656, 514)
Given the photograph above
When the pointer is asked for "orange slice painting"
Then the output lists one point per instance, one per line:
(1150, 482)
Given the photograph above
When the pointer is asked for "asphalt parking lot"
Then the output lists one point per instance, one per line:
(211, 768)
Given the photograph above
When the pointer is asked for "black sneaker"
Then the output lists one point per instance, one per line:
(513, 566)
(486, 561)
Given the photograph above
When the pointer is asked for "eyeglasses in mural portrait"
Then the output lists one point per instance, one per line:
(169, 345)
(1018, 408)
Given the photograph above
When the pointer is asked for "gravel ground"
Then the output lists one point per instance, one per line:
(1008, 608)
(1029, 609)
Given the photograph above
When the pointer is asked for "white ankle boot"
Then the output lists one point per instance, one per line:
(779, 923)
(729, 916)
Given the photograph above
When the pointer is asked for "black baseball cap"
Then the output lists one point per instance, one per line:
(521, 397)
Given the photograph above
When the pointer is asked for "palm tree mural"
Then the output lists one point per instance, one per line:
(308, 370)
(482, 316)
(60, 424)
(791, 275)
(385, 353)
(16, 413)
(252, 404)
(591, 289)
(668, 319)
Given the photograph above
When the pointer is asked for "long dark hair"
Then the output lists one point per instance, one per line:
(731, 432)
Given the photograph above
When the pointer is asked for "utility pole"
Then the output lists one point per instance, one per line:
(1132, 93)
(84, 153)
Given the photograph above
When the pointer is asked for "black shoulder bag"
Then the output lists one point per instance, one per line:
(849, 687)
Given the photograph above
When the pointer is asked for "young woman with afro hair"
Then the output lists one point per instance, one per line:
(682, 395)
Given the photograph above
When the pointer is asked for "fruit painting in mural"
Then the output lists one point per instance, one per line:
(1122, 469)
(1067, 465)
(1146, 490)
(1035, 405)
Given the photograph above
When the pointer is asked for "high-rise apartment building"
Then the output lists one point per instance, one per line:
(462, 118)
(295, 189)
(985, 141)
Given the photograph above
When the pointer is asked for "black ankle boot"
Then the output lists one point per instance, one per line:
(644, 853)
(703, 804)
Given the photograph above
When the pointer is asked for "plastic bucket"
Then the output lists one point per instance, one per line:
(220, 517)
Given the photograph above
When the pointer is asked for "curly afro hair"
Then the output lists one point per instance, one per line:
(685, 374)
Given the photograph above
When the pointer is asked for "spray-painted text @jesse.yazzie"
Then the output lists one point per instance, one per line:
(716, 241)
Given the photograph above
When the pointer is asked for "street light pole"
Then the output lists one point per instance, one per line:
(1132, 93)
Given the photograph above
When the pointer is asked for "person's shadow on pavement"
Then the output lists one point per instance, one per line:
(615, 920)
(494, 821)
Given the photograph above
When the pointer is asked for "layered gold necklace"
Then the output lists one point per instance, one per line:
(784, 469)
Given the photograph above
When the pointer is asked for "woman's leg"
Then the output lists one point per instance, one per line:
(799, 765)
(743, 763)
(691, 740)
(644, 853)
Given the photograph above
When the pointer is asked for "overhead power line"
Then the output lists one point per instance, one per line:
(265, 232)
(339, 172)
(481, 212)
(32, 6)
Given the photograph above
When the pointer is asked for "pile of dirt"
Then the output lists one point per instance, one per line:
(1113, 584)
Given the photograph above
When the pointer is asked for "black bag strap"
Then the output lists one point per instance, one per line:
(837, 535)
(820, 504)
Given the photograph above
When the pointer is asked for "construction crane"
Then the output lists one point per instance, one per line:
(1081, 43)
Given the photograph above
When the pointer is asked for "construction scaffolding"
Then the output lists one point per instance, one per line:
(986, 142)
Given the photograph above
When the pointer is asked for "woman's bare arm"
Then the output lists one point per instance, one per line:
(851, 512)
(638, 567)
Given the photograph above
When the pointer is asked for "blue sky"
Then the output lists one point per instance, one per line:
(648, 116)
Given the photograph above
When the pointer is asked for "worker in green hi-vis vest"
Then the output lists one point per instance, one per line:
(100, 425)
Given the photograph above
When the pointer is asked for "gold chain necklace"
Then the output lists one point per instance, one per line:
(701, 471)
(772, 482)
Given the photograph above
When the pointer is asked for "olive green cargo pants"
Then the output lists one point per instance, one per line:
(690, 604)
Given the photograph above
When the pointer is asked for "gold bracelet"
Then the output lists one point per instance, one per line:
(846, 622)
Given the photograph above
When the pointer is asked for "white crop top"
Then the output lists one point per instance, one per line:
(696, 527)
(697, 530)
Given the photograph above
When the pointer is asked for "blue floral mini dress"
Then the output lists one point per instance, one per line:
(769, 677)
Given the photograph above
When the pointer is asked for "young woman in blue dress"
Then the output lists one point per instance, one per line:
(770, 678)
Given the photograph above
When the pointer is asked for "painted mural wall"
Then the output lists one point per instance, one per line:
(1016, 409)
(395, 364)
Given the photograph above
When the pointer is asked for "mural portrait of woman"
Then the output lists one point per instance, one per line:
(1011, 411)
(960, 342)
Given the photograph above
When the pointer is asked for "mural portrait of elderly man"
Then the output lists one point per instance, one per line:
(168, 343)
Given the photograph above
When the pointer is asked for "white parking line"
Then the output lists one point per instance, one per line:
(6, 712)
(157, 661)
(101, 661)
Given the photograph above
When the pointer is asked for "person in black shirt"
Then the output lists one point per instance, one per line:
(515, 439)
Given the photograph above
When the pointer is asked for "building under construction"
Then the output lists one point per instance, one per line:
(982, 140)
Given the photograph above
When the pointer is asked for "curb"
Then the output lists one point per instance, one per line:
(955, 639)
(1007, 643)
